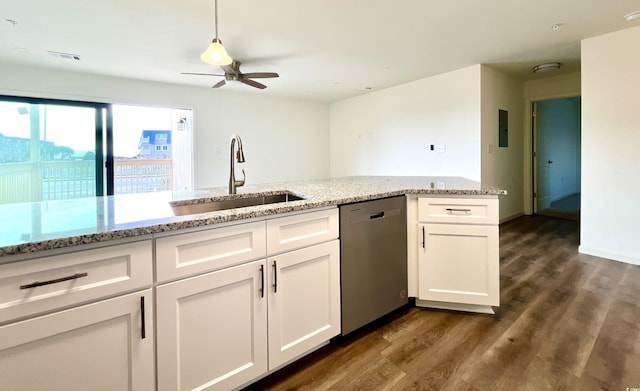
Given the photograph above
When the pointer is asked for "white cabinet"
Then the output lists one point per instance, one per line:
(69, 321)
(191, 253)
(212, 329)
(41, 285)
(245, 315)
(304, 301)
(107, 345)
(301, 230)
(458, 253)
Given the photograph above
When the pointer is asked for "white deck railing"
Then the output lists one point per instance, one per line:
(56, 180)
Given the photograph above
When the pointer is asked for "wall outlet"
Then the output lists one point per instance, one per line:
(440, 185)
(440, 148)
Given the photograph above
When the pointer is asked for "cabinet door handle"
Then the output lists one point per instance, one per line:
(261, 280)
(143, 332)
(424, 238)
(55, 281)
(457, 210)
(275, 277)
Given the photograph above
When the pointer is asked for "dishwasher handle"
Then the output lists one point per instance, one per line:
(378, 215)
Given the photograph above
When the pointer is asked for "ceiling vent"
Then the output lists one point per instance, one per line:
(64, 56)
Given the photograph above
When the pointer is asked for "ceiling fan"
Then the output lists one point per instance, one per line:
(232, 74)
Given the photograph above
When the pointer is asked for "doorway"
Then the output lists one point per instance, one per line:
(556, 157)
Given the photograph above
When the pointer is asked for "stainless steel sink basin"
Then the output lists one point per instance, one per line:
(181, 208)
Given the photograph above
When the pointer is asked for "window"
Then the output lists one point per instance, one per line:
(54, 149)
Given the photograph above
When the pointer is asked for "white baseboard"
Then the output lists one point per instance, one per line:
(608, 255)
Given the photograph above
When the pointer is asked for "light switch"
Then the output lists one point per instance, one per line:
(440, 148)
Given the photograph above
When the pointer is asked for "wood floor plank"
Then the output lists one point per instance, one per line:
(567, 321)
(572, 340)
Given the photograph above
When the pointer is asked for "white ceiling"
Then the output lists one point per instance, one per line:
(323, 49)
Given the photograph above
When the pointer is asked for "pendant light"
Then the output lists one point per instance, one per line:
(216, 53)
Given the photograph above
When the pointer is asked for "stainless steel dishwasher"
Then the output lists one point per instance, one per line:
(373, 260)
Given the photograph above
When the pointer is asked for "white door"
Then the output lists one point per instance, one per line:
(304, 300)
(212, 329)
(459, 264)
(100, 346)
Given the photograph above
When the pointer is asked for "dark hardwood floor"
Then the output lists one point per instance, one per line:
(567, 321)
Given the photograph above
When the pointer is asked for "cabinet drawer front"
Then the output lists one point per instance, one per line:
(458, 210)
(303, 230)
(44, 284)
(198, 252)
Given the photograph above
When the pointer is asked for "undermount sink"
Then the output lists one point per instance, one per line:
(181, 208)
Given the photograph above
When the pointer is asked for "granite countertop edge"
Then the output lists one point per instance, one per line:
(174, 223)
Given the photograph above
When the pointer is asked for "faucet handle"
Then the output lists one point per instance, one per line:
(241, 182)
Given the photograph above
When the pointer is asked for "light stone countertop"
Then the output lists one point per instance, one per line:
(27, 228)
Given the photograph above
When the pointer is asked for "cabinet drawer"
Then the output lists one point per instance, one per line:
(293, 232)
(47, 283)
(198, 252)
(458, 210)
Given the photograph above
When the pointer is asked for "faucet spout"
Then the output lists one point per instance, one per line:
(233, 183)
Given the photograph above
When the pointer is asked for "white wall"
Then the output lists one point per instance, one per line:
(389, 132)
(283, 139)
(502, 167)
(553, 87)
(610, 215)
(560, 86)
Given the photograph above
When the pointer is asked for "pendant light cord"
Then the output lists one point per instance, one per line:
(216, 17)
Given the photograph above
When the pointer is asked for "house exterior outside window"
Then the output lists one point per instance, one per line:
(155, 144)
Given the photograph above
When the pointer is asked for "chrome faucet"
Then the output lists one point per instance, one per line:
(233, 183)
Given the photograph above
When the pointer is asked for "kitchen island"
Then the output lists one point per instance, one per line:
(212, 300)
(28, 228)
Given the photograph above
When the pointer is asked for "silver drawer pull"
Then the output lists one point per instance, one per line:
(57, 280)
(457, 210)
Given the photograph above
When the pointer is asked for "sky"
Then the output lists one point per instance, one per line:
(74, 127)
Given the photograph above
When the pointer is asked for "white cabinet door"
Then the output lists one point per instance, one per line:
(98, 346)
(304, 300)
(459, 264)
(212, 329)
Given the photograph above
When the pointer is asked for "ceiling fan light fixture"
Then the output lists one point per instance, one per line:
(631, 16)
(216, 54)
(546, 67)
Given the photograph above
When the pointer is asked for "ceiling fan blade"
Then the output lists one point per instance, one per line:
(253, 83)
(219, 84)
(260, 75)
(200, 74)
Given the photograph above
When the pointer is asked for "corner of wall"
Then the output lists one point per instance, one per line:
(502, 166)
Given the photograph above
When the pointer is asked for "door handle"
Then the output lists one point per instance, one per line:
(55, 281)
(143, 332)
(550, 161)
(424, 241)
(261, 280)
(275, 277)
(376, 216)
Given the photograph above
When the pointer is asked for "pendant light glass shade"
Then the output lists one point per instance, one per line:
(216, 54)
